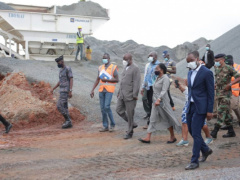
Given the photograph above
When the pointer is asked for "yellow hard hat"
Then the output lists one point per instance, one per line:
(79, 27)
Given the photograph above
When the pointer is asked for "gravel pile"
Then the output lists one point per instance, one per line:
(228, 43)
(140, 52)
(4, 6)
(83, 8)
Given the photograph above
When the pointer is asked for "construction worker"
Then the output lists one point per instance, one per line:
(223, 75)
(108, 78)
(65, 83)
(7, 124)
(80, 43)
(235, 90)
(88, 53)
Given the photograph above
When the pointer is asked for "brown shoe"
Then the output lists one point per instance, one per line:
(145, 127)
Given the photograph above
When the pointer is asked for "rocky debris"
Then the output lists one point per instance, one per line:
(117, 49)
(4, 6)
(26, 104)
(228, 44)
(82, 8)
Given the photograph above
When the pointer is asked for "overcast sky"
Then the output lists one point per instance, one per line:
(158, 22)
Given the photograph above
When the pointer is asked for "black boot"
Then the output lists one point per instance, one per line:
(230, 132)
(68, 122)
(215, 131)
(224, 127)
(7, 125)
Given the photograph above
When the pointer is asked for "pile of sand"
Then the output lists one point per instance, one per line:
(27, 104)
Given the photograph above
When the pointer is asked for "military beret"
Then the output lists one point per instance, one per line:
(220, 56)
(229, 60)
(59, 59)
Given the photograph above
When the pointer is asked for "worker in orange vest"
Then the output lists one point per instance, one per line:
(108, 78)
(235, 89)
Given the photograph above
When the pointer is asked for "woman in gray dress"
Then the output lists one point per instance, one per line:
(162, 115)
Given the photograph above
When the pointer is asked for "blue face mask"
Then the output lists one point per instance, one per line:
(207, 48)
(105, 61)
(217, 64)
(165, 59)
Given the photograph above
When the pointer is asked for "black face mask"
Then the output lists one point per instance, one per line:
(60, 65)
(157, 73)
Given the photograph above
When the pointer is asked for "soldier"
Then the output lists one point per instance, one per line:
(65, 83)
(235, 90)
(223, 75)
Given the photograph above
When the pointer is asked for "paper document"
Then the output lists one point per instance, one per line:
(105, 75)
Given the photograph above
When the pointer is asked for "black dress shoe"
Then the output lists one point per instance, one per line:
(205, 155)
(192, 166)
(8, 128)
(143, 141)
(170, 142)
(128, 136)
(135, 126)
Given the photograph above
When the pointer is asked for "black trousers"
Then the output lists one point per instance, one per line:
(149, 98)
(4, 121)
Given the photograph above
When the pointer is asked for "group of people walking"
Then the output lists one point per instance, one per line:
(199, 89)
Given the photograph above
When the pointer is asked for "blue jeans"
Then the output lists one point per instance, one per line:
(79, 48)
(105, 102)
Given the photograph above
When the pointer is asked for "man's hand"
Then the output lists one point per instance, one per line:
(135, 98)
(104, 80)
(70, 94)
(227, 88)
(209, 116)
(142, 91)
(157, 103)
(92, 94)
(51, 91)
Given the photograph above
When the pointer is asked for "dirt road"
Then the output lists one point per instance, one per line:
(84, 153)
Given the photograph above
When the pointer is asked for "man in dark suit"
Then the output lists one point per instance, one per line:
(208, 57)
(128, 93)
(200, 106)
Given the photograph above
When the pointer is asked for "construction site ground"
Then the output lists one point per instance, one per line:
(45, 151)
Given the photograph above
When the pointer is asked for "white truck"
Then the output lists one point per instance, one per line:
(43, 34)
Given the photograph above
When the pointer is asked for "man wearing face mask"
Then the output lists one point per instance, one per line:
(199, 106)
(171, 69)
(149, 80)
(128, 93)
(80, 42)
(223, 76)
(208, 57)
(108, 78)
(65, 83)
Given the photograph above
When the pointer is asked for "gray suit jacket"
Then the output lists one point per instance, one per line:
(130, 83)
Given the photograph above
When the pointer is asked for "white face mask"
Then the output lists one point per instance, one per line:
(150, 59)
(125, 63)
(192, 65)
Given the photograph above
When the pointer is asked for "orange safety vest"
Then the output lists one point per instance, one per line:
(110, 87)
(235, 87)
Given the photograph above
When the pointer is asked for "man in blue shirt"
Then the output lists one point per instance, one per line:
(149, 80)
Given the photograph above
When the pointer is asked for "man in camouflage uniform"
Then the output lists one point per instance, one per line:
(223, 75)
(65, 83)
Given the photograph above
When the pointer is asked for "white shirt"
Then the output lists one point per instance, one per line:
(205, 59)
(194, 73)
